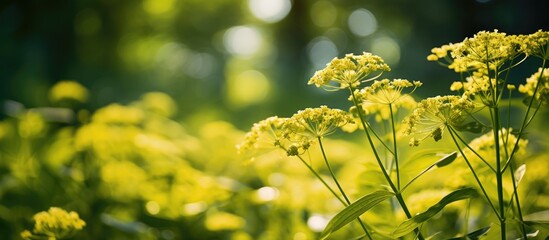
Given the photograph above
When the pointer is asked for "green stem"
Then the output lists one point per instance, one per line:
(525, 121)
(381, 166)
(320, 178)
(453, 134)
(517, 201)
(494, 114)
(338, 185)
(395, 145)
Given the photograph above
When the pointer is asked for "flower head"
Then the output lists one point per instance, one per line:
(537, 44)
(487, 48)
(484, 145)
(433, 115)
(56, 223)
(349, 71)
(385, 91)
(266, 133)
(477, 85)
(542, 93)
(317, 122)
(68, 90)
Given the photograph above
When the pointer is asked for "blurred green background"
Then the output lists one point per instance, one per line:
(236, 60)
(137, 165)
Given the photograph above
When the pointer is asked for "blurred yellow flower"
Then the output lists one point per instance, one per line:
(220, 221)
(68, 90)
(542, 92)
(159, 103)
(56, 223)
(31, 125)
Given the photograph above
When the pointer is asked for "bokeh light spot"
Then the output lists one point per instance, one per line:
(242, 40)
(362, 22)
(247, 88)
(321, 51)
(387, 48)
(323, 13)
(152, 207)
(270, 11)
(267, 194)
(317, 222)
(157, 6)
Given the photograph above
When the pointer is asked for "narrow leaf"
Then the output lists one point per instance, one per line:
(475, 234)
(446, 160)
(519, 173)
(473, 127)
(414, 222)
(354, 210)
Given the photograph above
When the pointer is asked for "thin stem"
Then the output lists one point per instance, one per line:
(517, 201)
(494, 114)
(338, 185)
(383, 170)
(475, 152)
(331, 171)
(395, 145)
(320, 178)
(525, 122)
(453, 134)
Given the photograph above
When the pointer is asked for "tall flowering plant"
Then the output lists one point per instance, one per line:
(388, 115)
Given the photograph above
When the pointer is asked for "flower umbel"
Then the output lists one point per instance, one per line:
(385, 91)
(349, 71)
(267, 133)
(317, 122)
(537, 44)
(542, 93)
(490, 49)
(56, 223)
(433, 115)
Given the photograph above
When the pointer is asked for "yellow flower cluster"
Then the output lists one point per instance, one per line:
(542, 83)
(537, 44)
(484, 145)
(56, 223)
(317, 122)
(68, 90)
(385, 91)
(294, 135)
(349, 71)
(478, 85)
(433, 115)
(490, 49)
(264, 134)
(442, 52)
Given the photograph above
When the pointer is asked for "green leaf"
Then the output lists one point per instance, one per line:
(473, 127)
(475, 234)
(444, 161)
(354, 210)
(519, 173)
(414, 222)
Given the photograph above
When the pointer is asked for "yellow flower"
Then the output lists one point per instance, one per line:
(433, 115)
(484, 145)
(159, 103)
(267, 133)
(317, 122)
(68, 90)
(478, 85)
(542, 93)
(349, 71)
(385, 91)
(56, 223)
(31, 125)
(490, 49)
(537, 44)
